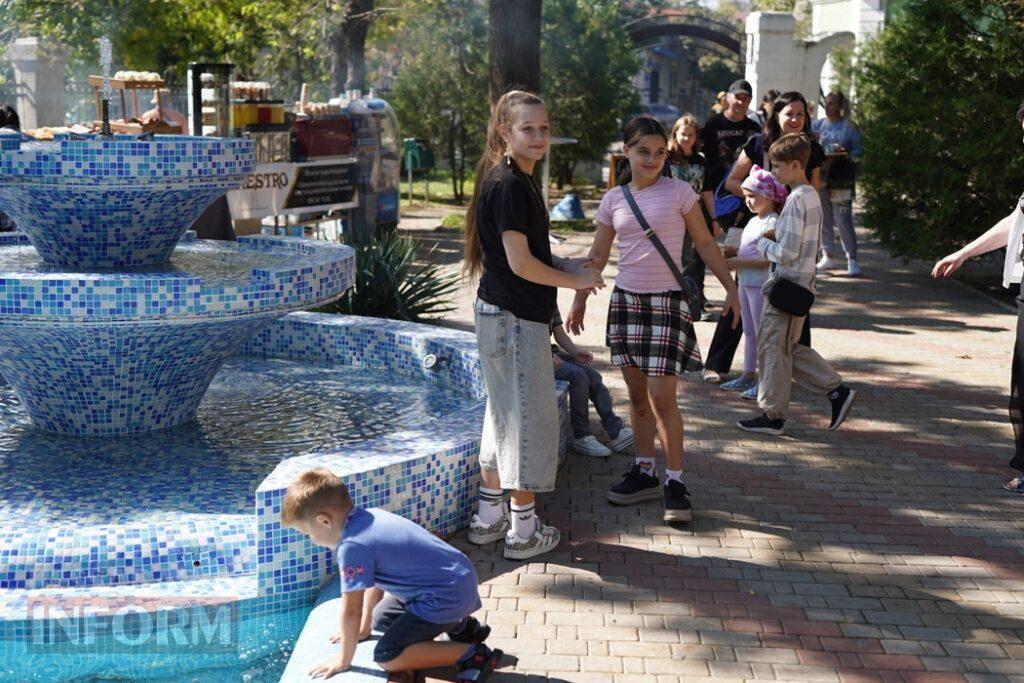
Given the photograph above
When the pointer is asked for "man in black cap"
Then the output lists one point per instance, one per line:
(722, 137)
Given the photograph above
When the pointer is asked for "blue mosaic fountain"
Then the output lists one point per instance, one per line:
(164, 390)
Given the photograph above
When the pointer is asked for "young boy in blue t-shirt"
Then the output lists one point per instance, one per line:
(396, 577)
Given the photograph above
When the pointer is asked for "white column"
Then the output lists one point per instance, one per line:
(39, 77)
(771, 52)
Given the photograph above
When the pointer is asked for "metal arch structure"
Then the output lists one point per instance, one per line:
(648, 31)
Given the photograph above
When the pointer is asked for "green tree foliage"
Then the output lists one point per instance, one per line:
(441, 91)
(587, 63)
(938, 93)
(277, 40)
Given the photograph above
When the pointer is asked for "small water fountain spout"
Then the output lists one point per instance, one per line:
(106, 50)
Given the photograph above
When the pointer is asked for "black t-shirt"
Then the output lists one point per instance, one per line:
(759, 155)
(693, 170)
(721, 140)
(511, 200)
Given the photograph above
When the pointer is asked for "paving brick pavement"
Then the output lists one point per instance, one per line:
(885, 551)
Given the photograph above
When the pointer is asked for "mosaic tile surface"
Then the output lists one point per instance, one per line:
(115, 203)
(124, 353)
(425, 474)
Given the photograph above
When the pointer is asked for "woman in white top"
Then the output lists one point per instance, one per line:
(1009, 233)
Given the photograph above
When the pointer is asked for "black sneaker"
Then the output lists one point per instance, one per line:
(677, 502)
(472, 632)
(762, 424)
(842, 399)
(635, 487)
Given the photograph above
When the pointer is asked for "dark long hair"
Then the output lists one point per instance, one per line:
(637, 128)
(9, 117)
(772, 130)
(494, 150)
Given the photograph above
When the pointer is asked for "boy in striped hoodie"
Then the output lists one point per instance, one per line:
(792, 249)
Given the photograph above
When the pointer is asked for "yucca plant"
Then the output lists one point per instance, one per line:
(389, 284)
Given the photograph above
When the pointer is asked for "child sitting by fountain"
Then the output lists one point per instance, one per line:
(572, 365)
(396, 577)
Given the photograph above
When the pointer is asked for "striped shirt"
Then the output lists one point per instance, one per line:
(664, 204)
(795, 251)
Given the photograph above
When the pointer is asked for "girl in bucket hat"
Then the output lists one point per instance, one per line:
(764, 196)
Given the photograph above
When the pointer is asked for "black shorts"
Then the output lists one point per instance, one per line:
(402, 628)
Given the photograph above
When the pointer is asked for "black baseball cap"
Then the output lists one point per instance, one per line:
(741, 86)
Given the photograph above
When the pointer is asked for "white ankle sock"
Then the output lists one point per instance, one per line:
(524, 520)
(673, 475)
(492, 505)
(646, 465)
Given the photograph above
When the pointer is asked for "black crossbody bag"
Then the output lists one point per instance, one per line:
(687, 284)
(789, 297)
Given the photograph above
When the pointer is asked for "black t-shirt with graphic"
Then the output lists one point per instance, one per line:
(721, 140)
(692, 169)
(510, 200)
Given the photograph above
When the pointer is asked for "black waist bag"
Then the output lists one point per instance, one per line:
(789, 297)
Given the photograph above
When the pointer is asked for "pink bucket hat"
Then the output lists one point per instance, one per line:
(764, 183)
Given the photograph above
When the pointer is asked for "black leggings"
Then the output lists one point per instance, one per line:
(1016, 383)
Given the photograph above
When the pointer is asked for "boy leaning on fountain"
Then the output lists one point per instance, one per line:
(396, 577)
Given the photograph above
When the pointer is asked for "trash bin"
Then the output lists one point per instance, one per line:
(416, 155)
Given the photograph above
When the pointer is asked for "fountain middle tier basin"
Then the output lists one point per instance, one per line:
(118, 202)
(105, 353)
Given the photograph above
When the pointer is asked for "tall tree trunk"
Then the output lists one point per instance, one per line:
(347, 44)
(513, 33)
(339, 63)
(356, 26)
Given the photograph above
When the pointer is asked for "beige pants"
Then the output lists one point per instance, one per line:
(781, 359)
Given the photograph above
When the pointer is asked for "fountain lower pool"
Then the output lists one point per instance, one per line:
(162, 393)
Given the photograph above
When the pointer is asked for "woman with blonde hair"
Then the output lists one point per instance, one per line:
(507, 246)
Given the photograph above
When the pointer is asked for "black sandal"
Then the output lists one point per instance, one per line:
(476, 665)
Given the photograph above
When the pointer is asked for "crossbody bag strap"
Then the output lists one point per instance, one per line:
(655, 240)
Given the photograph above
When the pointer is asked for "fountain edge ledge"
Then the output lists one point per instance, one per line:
(322, 272)
(432, 482)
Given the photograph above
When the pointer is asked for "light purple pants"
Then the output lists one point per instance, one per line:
(751, 306)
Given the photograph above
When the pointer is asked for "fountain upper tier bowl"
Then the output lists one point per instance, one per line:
(117, 202)
(103, 352)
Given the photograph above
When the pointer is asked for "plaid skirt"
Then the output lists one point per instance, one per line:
(652, 332)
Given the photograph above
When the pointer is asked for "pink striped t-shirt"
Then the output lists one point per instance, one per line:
(664, 204)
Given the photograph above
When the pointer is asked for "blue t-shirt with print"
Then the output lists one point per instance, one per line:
(379, 548)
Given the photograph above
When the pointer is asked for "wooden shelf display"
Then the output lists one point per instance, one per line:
(121, 86)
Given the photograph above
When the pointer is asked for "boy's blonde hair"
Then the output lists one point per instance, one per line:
(792, 147)
(311, 492)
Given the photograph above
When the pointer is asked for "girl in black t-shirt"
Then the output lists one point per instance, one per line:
(688, 163)
(507, 246)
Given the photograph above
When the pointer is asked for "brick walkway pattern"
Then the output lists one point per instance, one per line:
(885, 551)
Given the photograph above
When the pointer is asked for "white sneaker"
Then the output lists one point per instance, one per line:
(826, 263)
(589, 445)
(482, 534)
(852, 269)
(544, 539)
(624, 441)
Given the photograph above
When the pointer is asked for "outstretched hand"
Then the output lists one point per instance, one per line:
(948, 265)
